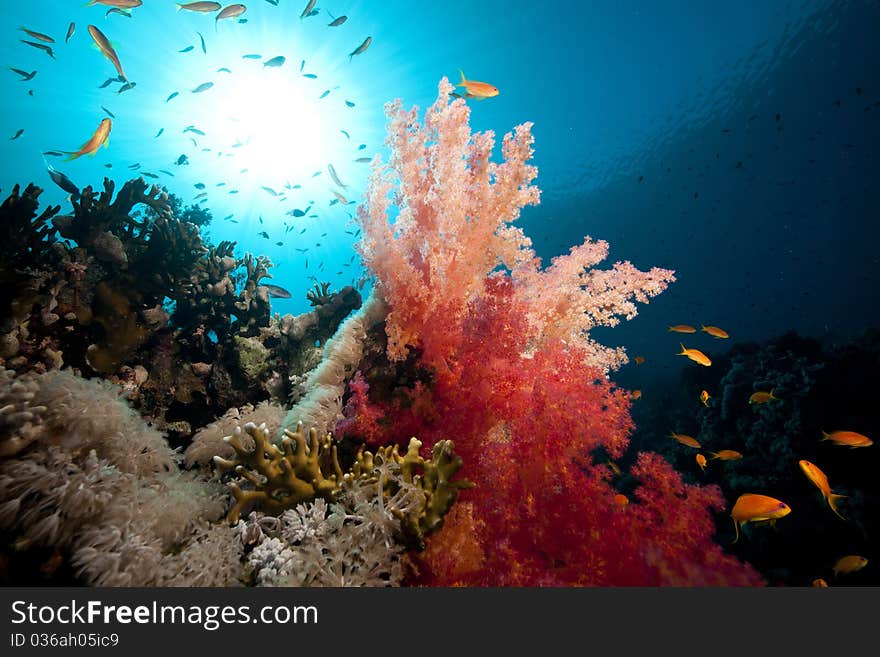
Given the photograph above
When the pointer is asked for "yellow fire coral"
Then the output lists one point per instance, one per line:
(302, 469)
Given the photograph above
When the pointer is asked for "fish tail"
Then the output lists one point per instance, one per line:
(825, 435)
(832, 502)
(736, 529)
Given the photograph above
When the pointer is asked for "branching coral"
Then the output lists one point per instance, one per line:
(455, 226)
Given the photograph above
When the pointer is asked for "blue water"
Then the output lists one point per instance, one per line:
(734, 144)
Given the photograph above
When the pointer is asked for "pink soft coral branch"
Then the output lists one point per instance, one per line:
(454, 227)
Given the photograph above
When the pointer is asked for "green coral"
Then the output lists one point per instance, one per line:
(303, 469)
(251, 357)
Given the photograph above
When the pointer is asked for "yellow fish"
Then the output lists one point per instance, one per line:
(614, 468)
(104, 45)
(476, 90)
(682, 328)
(704, 397)
(751, 507)
(701, 461)
(695, 355)
(99, 138)
(761, 397)
(848, 438)
(818, 478)
(684, 439)
(849, 564)
(715, 331)
(726, 455)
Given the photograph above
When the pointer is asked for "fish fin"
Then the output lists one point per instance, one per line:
(825, 436)
(832, 502)
(463, 82)
(736, 529)
(72, 156)
(683, 350)
(771, 394)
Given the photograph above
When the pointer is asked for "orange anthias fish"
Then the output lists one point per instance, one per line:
(701, 461)
(704, 397)
(682, 328)
(639, 360)
(476, 90)
(726, 455)
(820, 583)
(761, 397)
(101, 137)
(849, 564)
(818, 478)
(636, 394)
(848, 438)
(621, 500)
(715, 331)
(750, 507)
(684, 439)
(104, 45)
(695, 355)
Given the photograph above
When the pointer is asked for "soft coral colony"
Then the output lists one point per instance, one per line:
(469, 355)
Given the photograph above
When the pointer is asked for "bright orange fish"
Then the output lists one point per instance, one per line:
(820, 583)
(101, 137)
(849, 564)
(682, 328)
(476, 90)
(818, 478)
(848, 438)
(715, 331)
(621, 500)
(704, 397)
(751, 507)
(684, 439)
(639, 360)
(761, 397)
(104, 45)
(695, 355)
(701, 461)
(636, 394)
(726, 455)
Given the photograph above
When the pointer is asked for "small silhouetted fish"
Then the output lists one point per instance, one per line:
(316, 174)
(778, 117)
(108, 166)
(362, 147)
(204, 50)
(198, 196)
(275, 290)
(187, 49)
(203, 87)
(41, 46)
(220, 184)
(275, 61)
(70, 30)
(167, 173)
(127, 86)
(251, 56)
(301, 232)
(309, 75)
(191, 128)
(349, 103)
(300, 213)
(271, 191)
(18, 134)
(337, 21)
(308, 10)
(136, 165)
(228, 217)
(347, 136)
(273, 2)
(53, 153)
(161, 130)
(148, 174)
(199, 185)
(175, 94)
(223, 70)
(117, 10)
(323, 95)
(63, 181)
(38, 35)
(641, 178)
(242, 20)
(233, 191)
(361, 48)
(107, 83)
(279, 243)
(260, 219)
(183, 159)
(263, 233)
(109, 113)
(24, 74)
(334, 176)
(368, 159)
